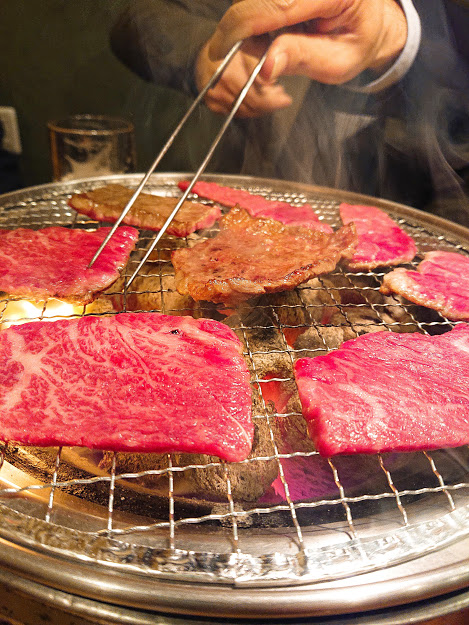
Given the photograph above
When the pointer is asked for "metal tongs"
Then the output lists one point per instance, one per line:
(167, 145)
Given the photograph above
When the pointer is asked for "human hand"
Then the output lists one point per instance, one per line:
(330, 41)
(263, 97)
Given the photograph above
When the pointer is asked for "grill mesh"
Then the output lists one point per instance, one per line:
(323, 519)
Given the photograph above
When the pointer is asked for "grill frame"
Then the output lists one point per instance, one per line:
(218, 583)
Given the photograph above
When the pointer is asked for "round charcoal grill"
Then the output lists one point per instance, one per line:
(330, 537)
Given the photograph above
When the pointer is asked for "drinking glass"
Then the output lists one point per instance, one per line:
(91, 145)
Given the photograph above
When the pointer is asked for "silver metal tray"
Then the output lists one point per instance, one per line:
(340, 536)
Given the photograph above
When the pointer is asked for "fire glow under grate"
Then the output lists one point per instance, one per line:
(285, 516)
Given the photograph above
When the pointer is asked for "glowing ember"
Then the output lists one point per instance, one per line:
(22, 311)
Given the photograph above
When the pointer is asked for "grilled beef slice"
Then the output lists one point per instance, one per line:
(148, 211)
(252, 256)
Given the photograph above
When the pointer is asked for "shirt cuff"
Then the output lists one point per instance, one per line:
(404, 61)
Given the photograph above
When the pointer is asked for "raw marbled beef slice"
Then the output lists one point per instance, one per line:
(441, 282)
(259, 206)
(381, 242)
(53, 262)
(388, 392)
(130, 382)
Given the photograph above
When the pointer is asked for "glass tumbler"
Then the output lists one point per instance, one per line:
(83, 146)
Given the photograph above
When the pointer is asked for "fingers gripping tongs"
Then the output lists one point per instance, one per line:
(168, 144)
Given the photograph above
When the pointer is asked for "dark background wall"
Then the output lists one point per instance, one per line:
(56, 60)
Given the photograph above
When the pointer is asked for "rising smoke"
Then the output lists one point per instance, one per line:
(409, 144)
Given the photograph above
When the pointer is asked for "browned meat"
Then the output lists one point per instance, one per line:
(149, 211)
(251, 256)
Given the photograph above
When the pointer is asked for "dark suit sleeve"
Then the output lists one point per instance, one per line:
(432, 101)
(159, 39)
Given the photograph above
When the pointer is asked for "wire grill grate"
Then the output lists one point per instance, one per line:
(323, 519)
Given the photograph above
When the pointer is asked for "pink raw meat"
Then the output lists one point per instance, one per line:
(441, 282)
(53, 262)
(388, 392)
(259, 206)
(130, 382)
(381, 242)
